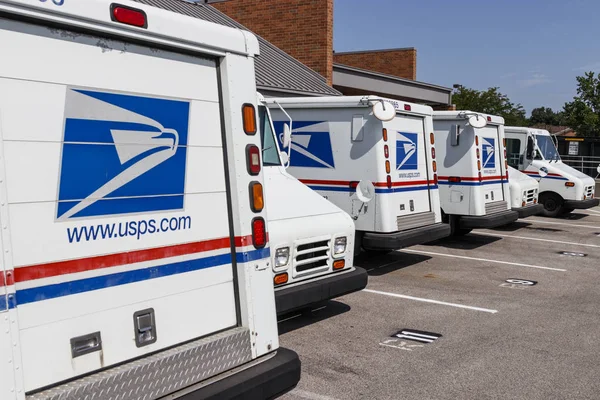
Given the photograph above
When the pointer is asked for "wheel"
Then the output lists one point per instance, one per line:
(357, 242)
(567, 211)
(553, 204)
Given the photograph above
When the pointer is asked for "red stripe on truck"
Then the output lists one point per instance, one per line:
(355, 183)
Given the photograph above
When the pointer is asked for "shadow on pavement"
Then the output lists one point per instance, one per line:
(515, 226)
(299, 319)
(386, 263)
(471, 241)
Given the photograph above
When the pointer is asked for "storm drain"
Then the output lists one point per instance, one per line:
(571, 254)
(417, 336)
(524, 282)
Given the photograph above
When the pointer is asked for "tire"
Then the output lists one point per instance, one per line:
(567, 211)
(553, 204)
(357, 243)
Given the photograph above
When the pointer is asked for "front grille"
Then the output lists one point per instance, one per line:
(588, 191)
(530, 196)
(498, 206)
(313, 255)
(406, 222)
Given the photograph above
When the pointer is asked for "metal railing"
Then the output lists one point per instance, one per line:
(586, 164)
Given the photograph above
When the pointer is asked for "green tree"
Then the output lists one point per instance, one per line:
(490, 101)
(546, 116)
(583, 113)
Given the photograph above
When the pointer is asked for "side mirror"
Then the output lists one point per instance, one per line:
(544, 172)
(477, 121)
(534, 154)
(598, 169)
(286, 136)
(285, 159)
(454, 134)
(384, 111)
(530, 149)
(365, 191)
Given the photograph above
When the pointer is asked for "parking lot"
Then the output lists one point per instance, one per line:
(499, 339)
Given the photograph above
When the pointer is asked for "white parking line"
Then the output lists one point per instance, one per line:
(537, 221)
(443, 303)
(536, 239)
(590, 210)
(483, 259)
(310, 395)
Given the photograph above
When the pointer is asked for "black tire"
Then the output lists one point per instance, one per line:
(357, 243)
(567, 211)
(553, 204)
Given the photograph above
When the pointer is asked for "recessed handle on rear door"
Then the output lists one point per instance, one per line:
(86, 344)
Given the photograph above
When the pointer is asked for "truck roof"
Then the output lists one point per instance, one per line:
(462, 115)
(349, 101)
(163, 27)
(524, 129)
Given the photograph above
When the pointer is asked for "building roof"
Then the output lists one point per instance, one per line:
(276, 71)
(367, 82)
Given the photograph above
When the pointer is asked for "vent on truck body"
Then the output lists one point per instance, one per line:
(588, 191)
(530, 196)
(313, 255)
(498, 206)
(406, 222)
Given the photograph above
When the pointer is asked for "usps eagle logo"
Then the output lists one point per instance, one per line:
(121, 154)
(311, 144)
(407, 155)
(489, 151)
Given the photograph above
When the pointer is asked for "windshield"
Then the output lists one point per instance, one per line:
(546, 148)
(270, 150)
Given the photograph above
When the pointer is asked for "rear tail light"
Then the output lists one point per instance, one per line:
(339, 264)
(249, 119)
(407, 107)
(259, 233)
(479, 165)
(434, 166)
(386, 151)
(432, 138)
(489, 119)
(253, 159)
(454, 179)
(384, 134)
(478, 155)
(569, 184)
(435, 179)
(387, 167)
(505, 153)
(433, 153)
(504, 142)
(389, 182)
(476, 140)
(280, 279)
(128, 16)
(257, 201)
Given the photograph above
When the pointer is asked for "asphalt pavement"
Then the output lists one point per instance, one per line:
(517, 309)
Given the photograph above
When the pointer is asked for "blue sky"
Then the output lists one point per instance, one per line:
(531, 49)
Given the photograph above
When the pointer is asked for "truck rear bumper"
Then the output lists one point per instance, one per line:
(581, 204)
(488, 221)
(411, 237)
(308, 293)
(268, 379)
(528, 211)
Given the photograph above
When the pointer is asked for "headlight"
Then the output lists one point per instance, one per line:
(339, 246)
(282, 257)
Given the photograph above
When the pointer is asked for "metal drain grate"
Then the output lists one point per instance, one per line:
(572, 254)
(524, 282)
(417, 336)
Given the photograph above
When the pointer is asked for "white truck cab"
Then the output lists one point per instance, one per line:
(312, 240)
(135, 265)
(524, 192)
(372, 157)
(473, 180)
(562, 188)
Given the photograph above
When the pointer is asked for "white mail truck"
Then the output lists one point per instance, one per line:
(524, 192)
(473, 179)
(372, 157)
(135, 255)
(562, 188)
(311, 240)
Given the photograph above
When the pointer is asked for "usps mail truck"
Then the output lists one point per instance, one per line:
(135, 259)
(311, 240)
(473, 178)
(372, 157)
(562, 188)
(524, 192)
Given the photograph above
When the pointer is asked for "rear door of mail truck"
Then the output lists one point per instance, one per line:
(118, 202)
(492, 164)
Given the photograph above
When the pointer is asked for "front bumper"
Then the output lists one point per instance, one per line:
(488, 221)
(266, 380)
(411, 237)
(581, 204)
(307, 293)
(528, 211)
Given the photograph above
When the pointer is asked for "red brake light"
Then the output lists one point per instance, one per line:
(433, 153)
(477, 152)
(259, 233)
(386, 151)
(407, 107)
(129, 16)
(435, 179)
(389, 182)
(489, 118)
(253, 159)
(454, 179)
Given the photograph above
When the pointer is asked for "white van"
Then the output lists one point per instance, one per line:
(562, 188)
(473, 179)
(135, 263)
(524, 192)
(311, 240)
(381, 171)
